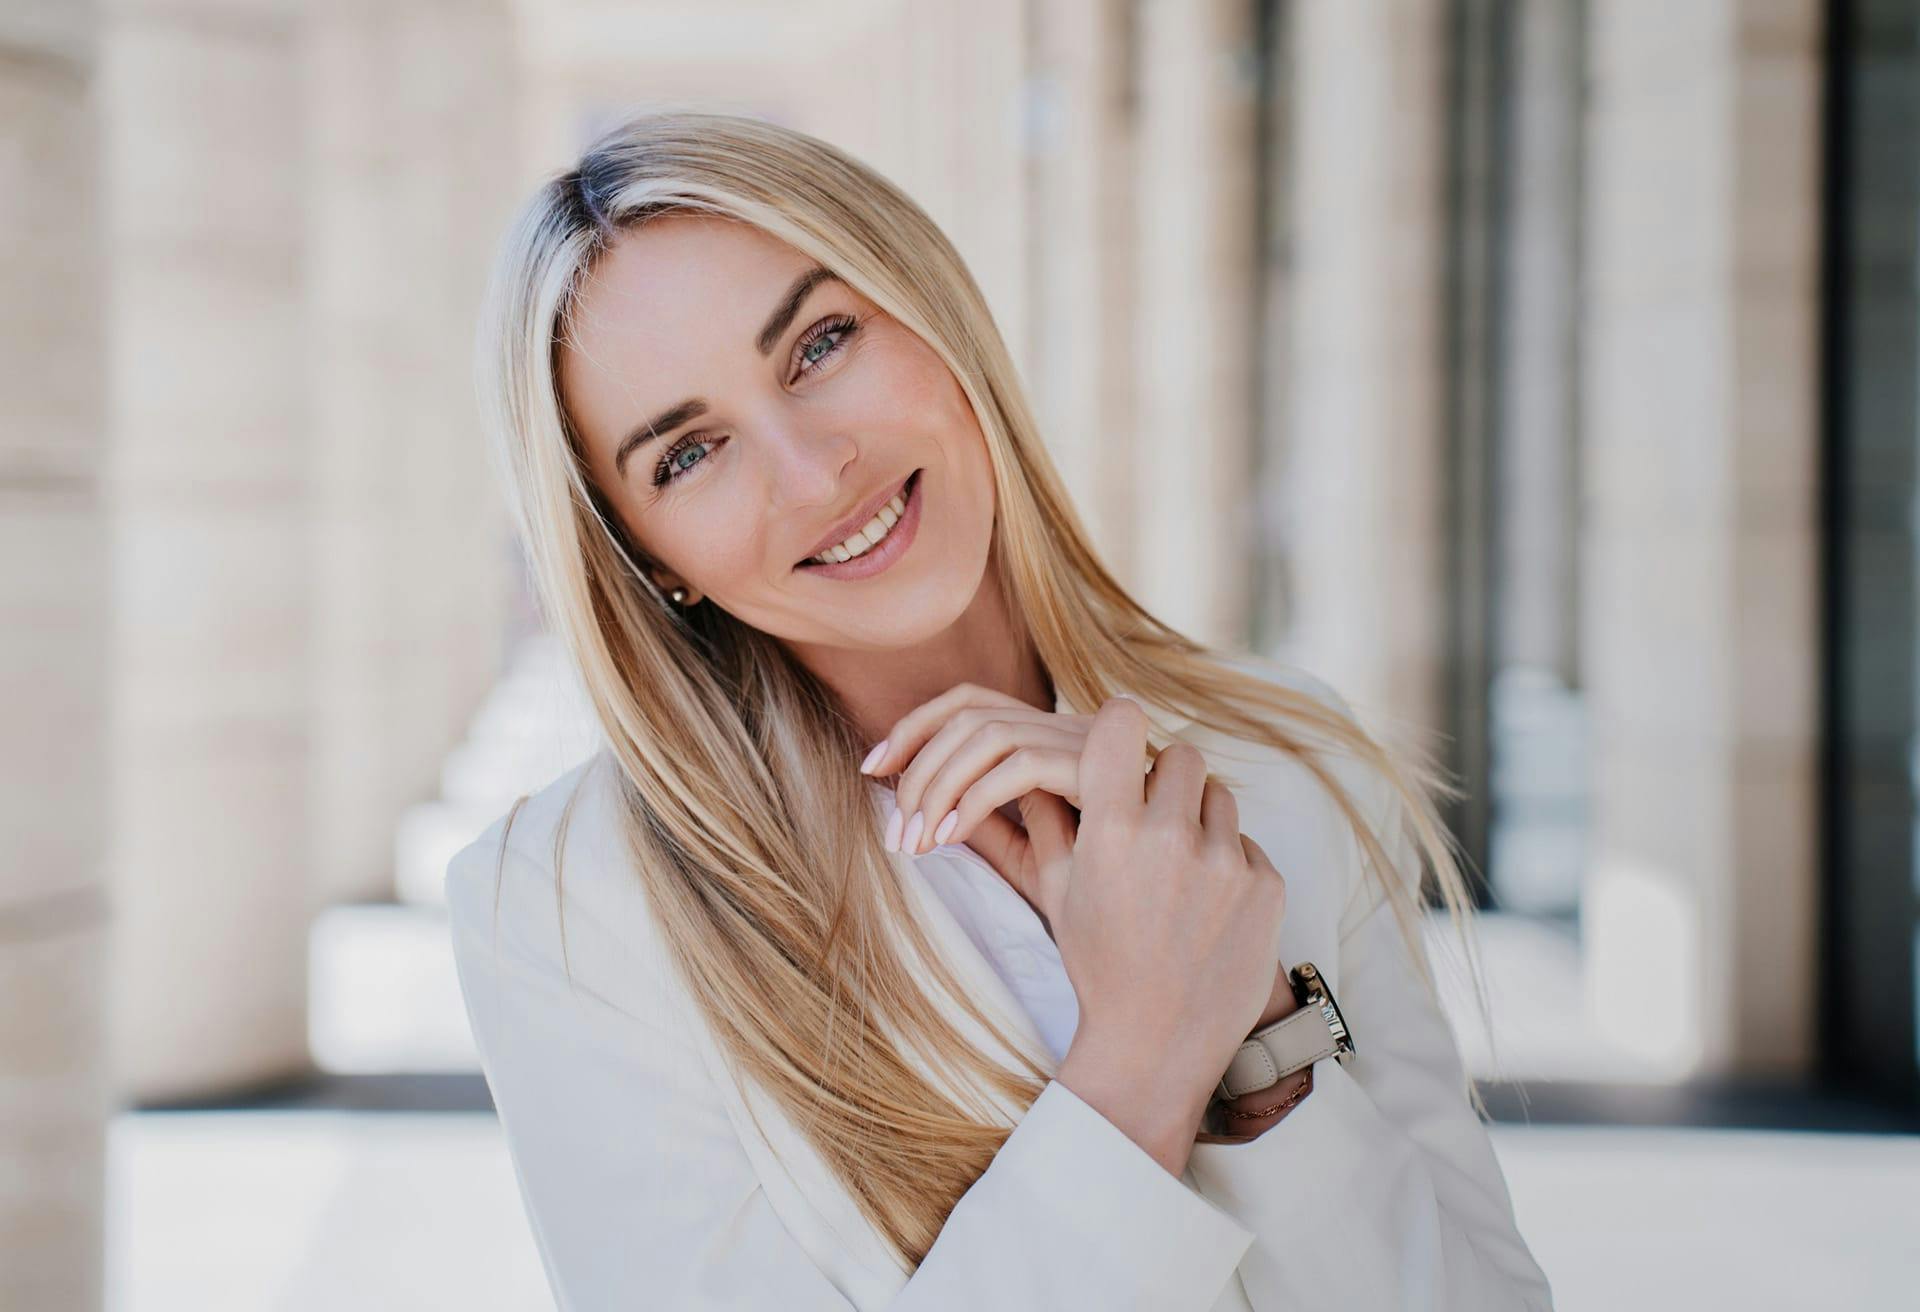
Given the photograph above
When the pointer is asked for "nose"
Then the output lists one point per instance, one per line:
(807, 466)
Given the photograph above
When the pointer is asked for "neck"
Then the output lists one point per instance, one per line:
(984, 646)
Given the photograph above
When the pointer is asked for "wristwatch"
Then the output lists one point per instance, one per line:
(1295, 1041)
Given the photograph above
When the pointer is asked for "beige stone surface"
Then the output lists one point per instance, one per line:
(55, 1104)
(1701, 610)
(50, 334)
(1083, 352)
(1360, 445)
(207, 494)
(1194, 193)
(55, 807)
(410, 112)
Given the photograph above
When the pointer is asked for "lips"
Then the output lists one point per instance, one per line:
(852, 523)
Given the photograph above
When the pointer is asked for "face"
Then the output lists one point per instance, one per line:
(740, 417)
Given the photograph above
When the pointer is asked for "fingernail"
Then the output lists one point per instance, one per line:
(911, 842)
(892, 841)
(873, 757)
(945, 831)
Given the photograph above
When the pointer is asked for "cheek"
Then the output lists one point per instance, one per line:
(940, 406)
(726, 554)
(967, 448)
(718, 546)
(967, 490)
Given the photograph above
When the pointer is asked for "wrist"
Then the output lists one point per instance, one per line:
(1146, 1100)
(1281, 1002)
(1252, 1114)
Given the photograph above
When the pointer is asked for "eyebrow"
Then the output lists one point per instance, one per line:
(693, 407)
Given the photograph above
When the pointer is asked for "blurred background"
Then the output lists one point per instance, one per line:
(1544, 374)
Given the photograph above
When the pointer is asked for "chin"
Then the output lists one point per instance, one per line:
(907, 616)
(894, 627)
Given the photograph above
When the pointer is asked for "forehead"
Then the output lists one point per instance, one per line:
(662, 308)
(670, 275)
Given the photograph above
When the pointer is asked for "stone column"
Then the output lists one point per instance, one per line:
(1361, 457)
(1189, 349)
(208, 497)
(413, 169)
(1701, 619)
(1081, 234)
(968, 104)
(55, 1097)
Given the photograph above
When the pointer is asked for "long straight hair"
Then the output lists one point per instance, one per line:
(749, 825)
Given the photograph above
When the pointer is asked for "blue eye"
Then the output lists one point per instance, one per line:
(839, 328)
(833, 332)
(671, 465)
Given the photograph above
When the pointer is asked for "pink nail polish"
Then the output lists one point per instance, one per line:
(892, 840)
(945, 831)
(911, 841)
(873, 757)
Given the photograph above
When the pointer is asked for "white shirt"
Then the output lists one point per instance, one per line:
(999, 922)
(652, 1178)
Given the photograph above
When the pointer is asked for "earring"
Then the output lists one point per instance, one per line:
(679, 596)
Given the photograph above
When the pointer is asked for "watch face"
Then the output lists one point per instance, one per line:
(1317, 993)
(1335, 1021)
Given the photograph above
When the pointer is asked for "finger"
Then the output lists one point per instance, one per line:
(1006, 847)
(1050, 826)
(988, 731)
(1054, 769)
(986, 749)
(1257, 855)
(1219, 813)
(1111, 781)
(1050, 835)
(911, 731)
(1257, 861)
(1179, 777)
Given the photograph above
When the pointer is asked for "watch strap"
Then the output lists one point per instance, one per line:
(1292, 1043)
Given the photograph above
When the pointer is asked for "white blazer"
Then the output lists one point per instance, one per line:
(651, 1181)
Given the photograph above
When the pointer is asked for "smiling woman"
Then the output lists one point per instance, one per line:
(756, 1038)
(812, 408)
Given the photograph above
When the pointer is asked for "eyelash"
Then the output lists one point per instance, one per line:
(844, 324)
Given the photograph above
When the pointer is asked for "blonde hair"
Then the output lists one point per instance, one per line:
(749, 825)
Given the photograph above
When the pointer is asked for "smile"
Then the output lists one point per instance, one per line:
(876, 545)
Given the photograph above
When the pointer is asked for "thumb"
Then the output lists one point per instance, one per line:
(1050, 829)
(1008, 850)
(1005, 846)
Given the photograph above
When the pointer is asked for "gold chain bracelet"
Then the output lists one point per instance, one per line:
(1305, 1088)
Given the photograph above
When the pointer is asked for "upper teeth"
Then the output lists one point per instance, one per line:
(869, 536)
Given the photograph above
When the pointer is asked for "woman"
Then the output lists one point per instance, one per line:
(884, 957)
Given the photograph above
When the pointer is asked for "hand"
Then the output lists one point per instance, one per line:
(1280, 1002)
(970, 751)
(1168, 923)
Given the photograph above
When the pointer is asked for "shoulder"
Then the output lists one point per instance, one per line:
(551, 889)
(1281, 795)
(1295, 678)
(573, 806)
(1340, 762)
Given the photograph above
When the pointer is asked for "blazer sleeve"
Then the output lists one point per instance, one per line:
(1380, 1190)
(640, 1194)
